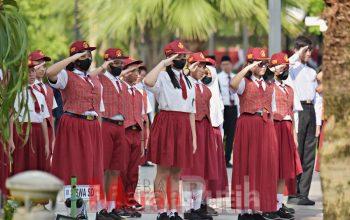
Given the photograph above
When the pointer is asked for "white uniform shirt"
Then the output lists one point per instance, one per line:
(216, 103)
(25, 95)
(303, 80)
(170, 98)
(241, 89)
(61, 83)
(226, 92)
(36, 83)
(114, 80)
(141, 88)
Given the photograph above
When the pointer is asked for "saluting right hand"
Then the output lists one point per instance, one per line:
(250, 66)
(78, 55)
(169, 61)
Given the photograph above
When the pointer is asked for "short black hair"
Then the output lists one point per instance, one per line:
(226, 58)
(302, 41)
(143, 68)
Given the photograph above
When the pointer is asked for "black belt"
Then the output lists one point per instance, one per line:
(86, 117)
(117, 122)
(307, 102)
(134, 127)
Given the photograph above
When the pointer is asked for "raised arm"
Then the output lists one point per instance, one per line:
(151, 78)
(238, 78)
(53, 70)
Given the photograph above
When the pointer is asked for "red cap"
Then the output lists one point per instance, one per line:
(114, 53)
(257, 53)
(80, 46)
(35, 56)
(197, 57)
(211, 61)
(130, 61)
(278, 59)
(175, 47)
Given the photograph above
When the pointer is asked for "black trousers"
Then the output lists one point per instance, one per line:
(307, 147)
(230, 117)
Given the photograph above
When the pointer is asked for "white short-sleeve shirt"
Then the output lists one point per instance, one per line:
(170, 98)
(34, 117)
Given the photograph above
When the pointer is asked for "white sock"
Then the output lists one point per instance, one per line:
(197, 198)
(172, 212)
(279, 200)
(187, 200)
(111, 205)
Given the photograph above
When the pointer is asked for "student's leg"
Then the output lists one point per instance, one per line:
(174, 188)
(160, 183)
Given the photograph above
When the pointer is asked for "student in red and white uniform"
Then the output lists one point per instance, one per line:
(216, 188)
(254, 173)
(134, 133)
(31, 153)
(113, 131)
(286, 105)
(173, 139)
(77, 151)
(38, 58)
(204, 166)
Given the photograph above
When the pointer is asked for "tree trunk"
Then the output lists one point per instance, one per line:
(335, 156)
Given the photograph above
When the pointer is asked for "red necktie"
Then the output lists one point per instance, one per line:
(132, 91)
(183, 87)
(284, 89)
(36, 103)
(41, 89)
(260, 85)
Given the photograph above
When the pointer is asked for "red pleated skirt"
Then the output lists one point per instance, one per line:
(170, 143)
(78, 151)
(219, 188)
(114, 146)
(29, 155)
(255, 165)
(288, 156)
(205, 159)
(4, 167)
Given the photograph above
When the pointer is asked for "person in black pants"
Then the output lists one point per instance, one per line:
(303, 79)
(231, 103)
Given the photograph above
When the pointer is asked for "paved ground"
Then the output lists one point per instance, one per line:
(145, 185)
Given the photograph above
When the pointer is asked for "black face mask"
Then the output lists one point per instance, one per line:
(269, 75)
(284, 75)
(83, 65)
(115, 70)
(207, 80)
(179, 64)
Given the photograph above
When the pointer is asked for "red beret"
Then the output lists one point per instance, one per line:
(80, 46)
(130, 61)
(257, 53)
(114, 53)
(198, 57)
(175, 47)
(278, 59)
(35, 56)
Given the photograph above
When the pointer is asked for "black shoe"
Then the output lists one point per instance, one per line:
(121, 212)
(293, 200)
(305, 201)
(270, 215)
(208, 210)
(147, 164)
(133, 213)
(245, 216)
(163, 216)
(103, 215)
(257, 216)
(288, 210)
(228, 165)
(175, 217)
(191, 215)
(135, 205)
(202, 214)
(284, 215)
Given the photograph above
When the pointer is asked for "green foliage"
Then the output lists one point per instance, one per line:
(13, 62)
(315, 9)
(9, 209)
